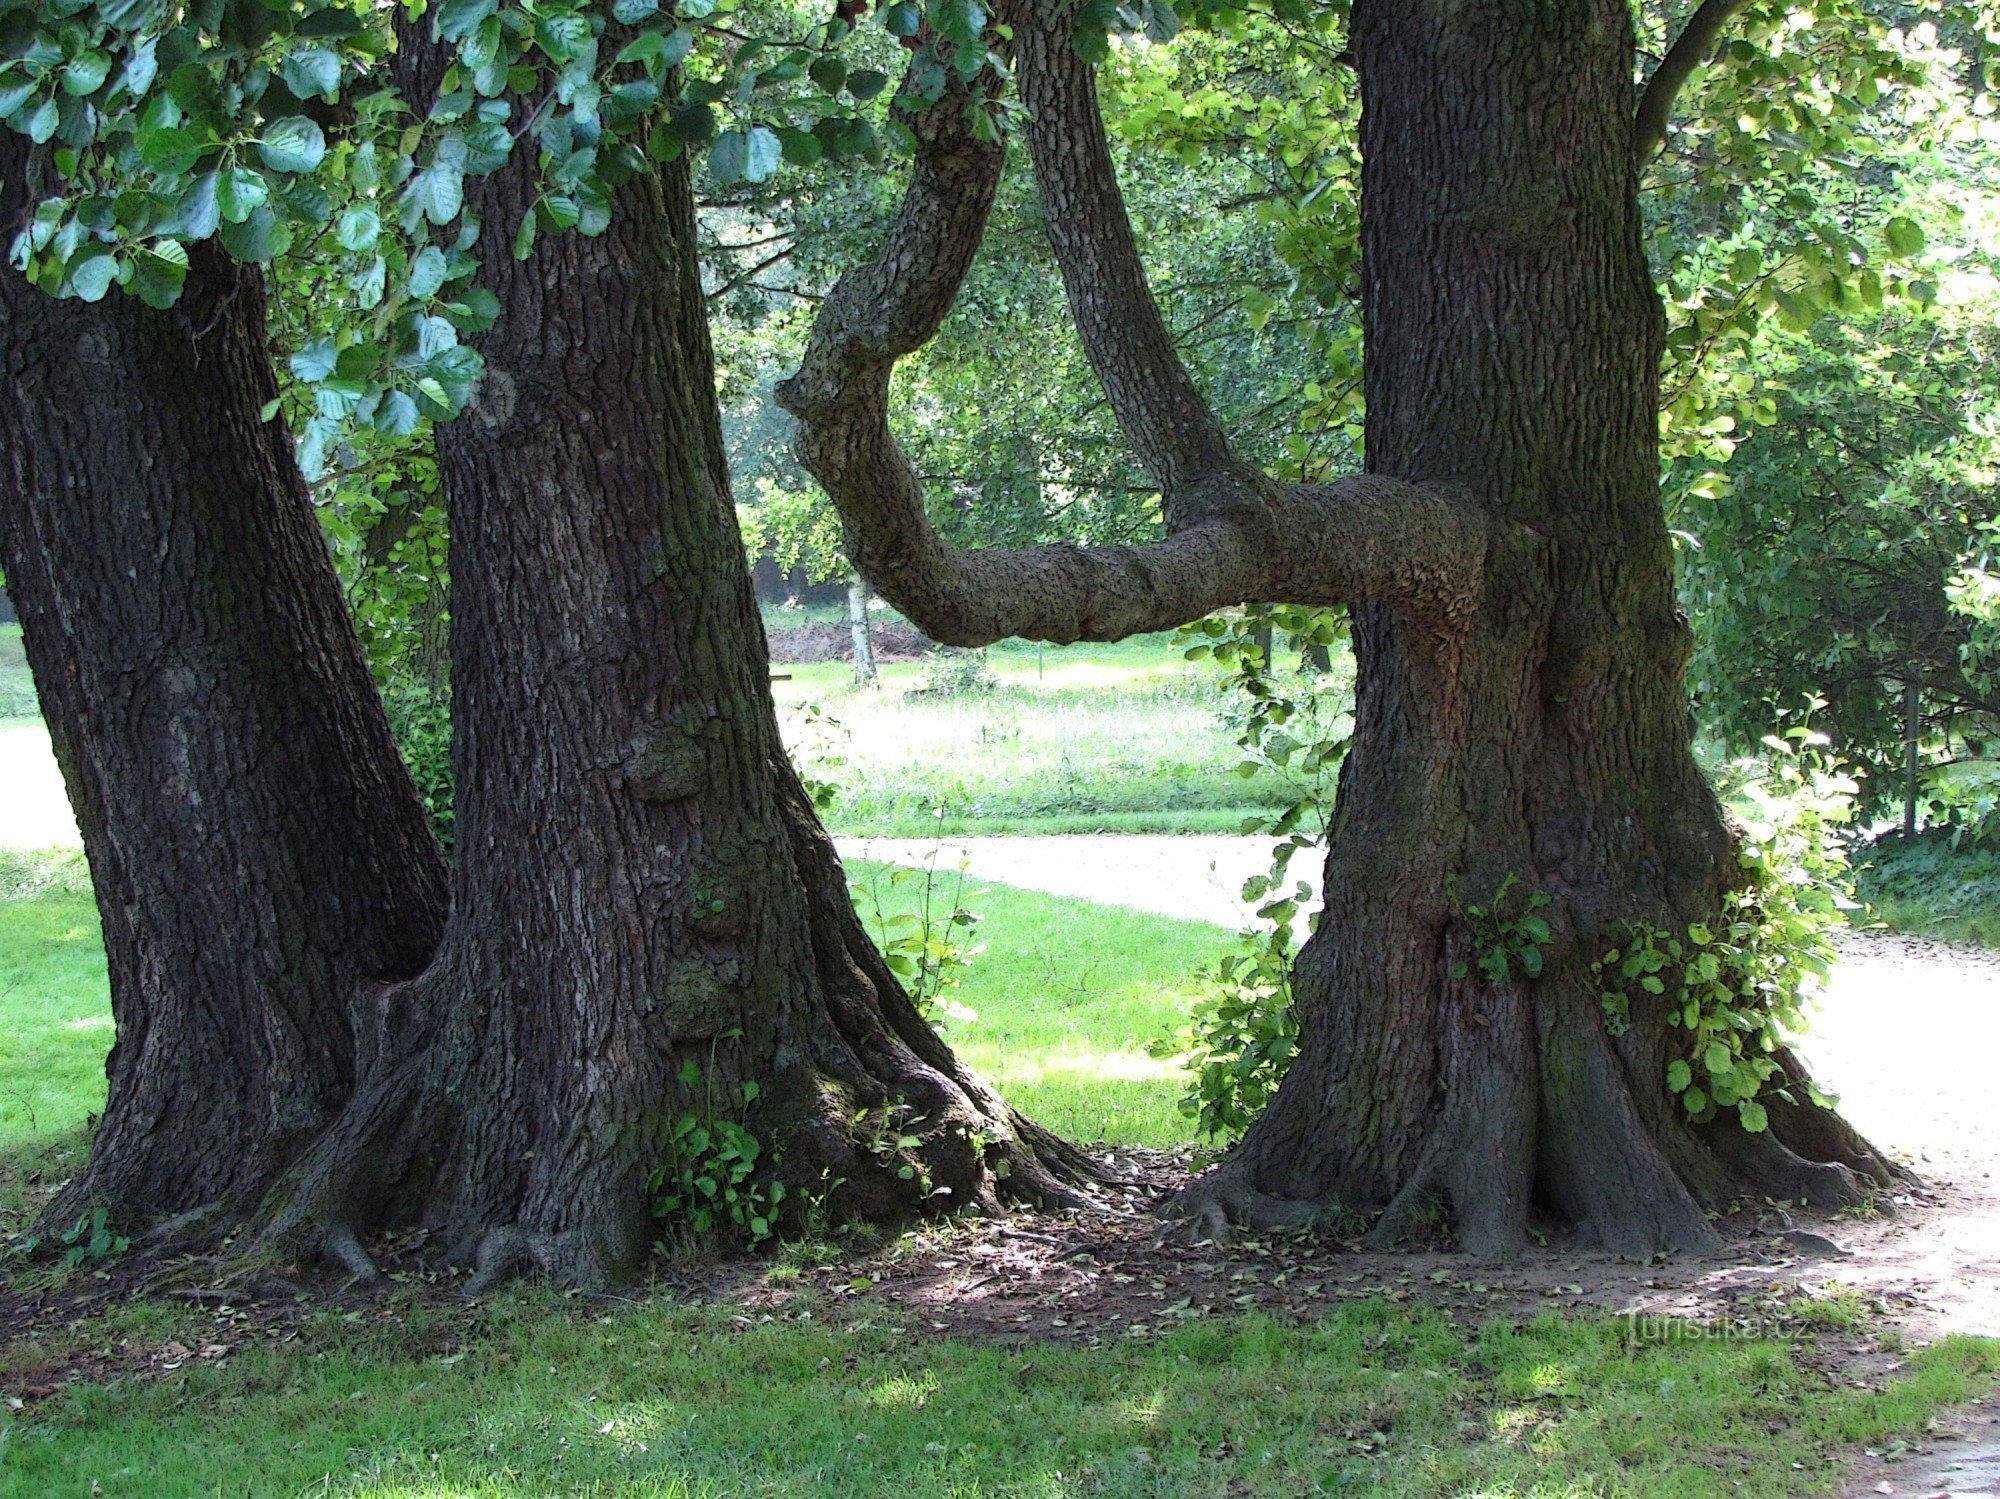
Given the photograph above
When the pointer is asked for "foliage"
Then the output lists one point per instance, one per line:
(420, 720)
(1933, 883)
(1242, 1037)
(716, 1174)
(952, 672)
(1501, 941)
(1830, 473)
(884, 1132)
(926, 946)
(1739, 987)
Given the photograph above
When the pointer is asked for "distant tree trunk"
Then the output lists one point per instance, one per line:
(260, 858)
(857, 623)
(1513, 339)
(1913, 729)
(1317, 656)
(646, 914)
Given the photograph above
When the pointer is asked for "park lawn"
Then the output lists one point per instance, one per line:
(1130, 737)
(533, 1393)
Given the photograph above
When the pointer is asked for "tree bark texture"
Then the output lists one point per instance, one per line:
(1521, 722)
(260, 858)
(646, 914)
(1513, 338)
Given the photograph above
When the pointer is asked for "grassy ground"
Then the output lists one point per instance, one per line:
(1125, 738)
(1926, 886)
(1066, 997)
(537, 1397)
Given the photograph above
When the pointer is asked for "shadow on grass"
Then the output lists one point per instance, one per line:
(534, 1396)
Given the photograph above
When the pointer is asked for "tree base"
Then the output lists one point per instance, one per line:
(872, 1119)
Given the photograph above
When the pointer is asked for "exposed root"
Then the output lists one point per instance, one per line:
(1223, 1195)
(341, 1245)
(503, 1254)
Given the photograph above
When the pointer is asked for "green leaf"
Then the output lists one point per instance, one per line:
(455, 18)
(1905, 238)
(90, 279)
(315, 361)
(329, 23)
(563, 36)
(729, 157)
(427, 272)
(1679, 1075)
(261, 237)
(358, 229)
(312, 72)
(159, 273)
(42, 123)
(437, 193)
(240, 192)
(292, 144)
(86, 73)
(1718, 1059)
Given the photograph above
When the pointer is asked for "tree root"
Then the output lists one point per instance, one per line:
(1224, 1195)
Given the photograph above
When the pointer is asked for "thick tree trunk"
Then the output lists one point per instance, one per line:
(260, 858)
(1513, 340)
(648, 923)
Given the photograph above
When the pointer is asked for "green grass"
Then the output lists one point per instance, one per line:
(1067, 995)
(548, 1397)
(17, 688)
(55, 1021)
(1925, 886)
(1128, 737)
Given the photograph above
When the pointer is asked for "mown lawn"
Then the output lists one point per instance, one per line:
(536, 1395)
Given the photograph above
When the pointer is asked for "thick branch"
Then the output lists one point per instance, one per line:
(1170, 426)
(1691, 48)
(1239, 537)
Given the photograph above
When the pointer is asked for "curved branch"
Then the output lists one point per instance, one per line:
(1691, 48)
(1236, 537)
(1170, 426)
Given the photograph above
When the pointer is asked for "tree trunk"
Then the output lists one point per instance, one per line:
(857, 621)
(260, 858)
(648, 923)
(1513, 339)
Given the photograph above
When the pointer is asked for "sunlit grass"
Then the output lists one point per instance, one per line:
(1129, 737)
(543, 1396)
(1067, 996)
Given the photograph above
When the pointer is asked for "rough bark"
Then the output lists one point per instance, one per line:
(1232, 534)
(1521, 713)
(260, 859)
(640, 882)
(1513, 339)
